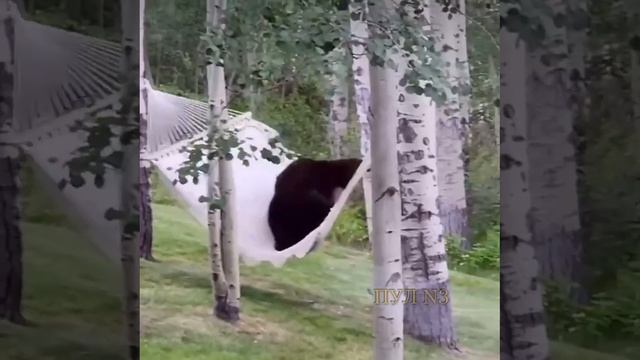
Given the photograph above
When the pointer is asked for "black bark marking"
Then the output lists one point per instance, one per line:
(390, 191)
(395, 277)
(507, 161)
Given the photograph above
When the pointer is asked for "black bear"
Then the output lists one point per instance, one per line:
(305, 191)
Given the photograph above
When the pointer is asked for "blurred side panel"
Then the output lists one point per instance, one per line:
(69, 119)
(570, 100)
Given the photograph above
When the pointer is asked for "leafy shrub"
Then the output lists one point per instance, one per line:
(483, 184)
(351, 227)
(610, 314)
(483, 256)
(301, 124)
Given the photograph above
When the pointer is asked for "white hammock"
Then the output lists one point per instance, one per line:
(51, 93)
(253, 185)
(86, 205)
(83, 77)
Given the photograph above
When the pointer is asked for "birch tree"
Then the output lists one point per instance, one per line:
(450, 40)
(129, 111)
(223, 252)
(388, 327)
(338, 124)
(359, 35)
(633, 10)
(522, 330)
(577, 43)
(11, 268)
(553, 176)
(428, 315)
(146, 215)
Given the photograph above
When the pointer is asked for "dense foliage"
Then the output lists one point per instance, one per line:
(286, 87)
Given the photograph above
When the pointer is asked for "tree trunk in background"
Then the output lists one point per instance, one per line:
(462, 65)
(130, 174)
(495, 81)
(338, 104)
(10, 233)
(632, 8)
(464, 99)
(362, 89)
(10, 239)
(252, 89)
(451, 127)
(429, 318)
(577, 41)
(223, 251)
(146, 214)
(385, 239)
(553, 177)
(522, 329)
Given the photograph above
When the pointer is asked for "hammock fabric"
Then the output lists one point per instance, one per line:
(253, 185)
(54, 92)
(62, 77)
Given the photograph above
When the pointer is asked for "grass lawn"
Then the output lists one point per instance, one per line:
(315, 308)
(72, 294)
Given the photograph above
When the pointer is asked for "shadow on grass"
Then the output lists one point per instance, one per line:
(311, 315)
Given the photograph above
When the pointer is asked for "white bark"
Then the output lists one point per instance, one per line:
(362, 89)
(451, 42)
(386, 247)
(146, 216)
(338, 105)
(522, 331)
(130, 168)
(462, 66)
(223, 249)
(553, 176)
(423, 245)
(495, 79)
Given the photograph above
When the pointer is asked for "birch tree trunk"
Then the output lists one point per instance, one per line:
(577, 42)
(428, 316)
(522, 330)
(223, 250)
(338, 123)
(362, 89)
(462, 66)
(385, 239)
(553, 176)
(11, 268)
(633, 10)
(251, 89)
(450, 36)
(146, 215)
(495, 84)
(130, 173)
(464, 99)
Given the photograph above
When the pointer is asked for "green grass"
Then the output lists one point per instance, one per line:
(71, 292)
(568, 351)
(314, 308)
